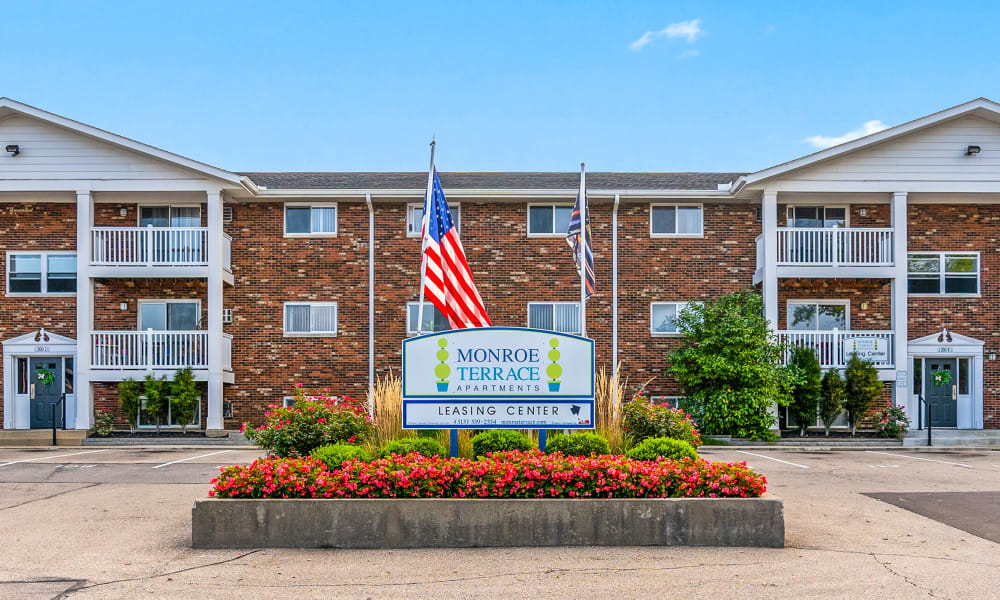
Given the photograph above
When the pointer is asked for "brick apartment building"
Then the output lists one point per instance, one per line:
(122, 259)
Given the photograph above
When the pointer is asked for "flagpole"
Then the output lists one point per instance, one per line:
(423, 234)
(583, 251)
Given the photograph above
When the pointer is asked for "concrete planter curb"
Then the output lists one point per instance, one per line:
(460, 523)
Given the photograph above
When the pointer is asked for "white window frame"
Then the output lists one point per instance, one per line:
(414, 304)
(675, 206)
(310, 205)
(553, 304)
(671, 401)
(942, 274)
(336, 319)
(142, 301)
(169, 207)
(416, 233)
(680, 305)
(788, 311)
(553, 206)
(195, 424)
(44, 267)
(790, 213)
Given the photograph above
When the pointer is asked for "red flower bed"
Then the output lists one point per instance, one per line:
(502, 475)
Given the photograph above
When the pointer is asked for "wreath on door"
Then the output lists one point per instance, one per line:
(46, 376)
(942, 377)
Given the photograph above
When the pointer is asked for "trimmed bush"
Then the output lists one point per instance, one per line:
(643, 419)
(831, 399)
(335, 455)
(499, 440)
(861, 389)
(581, 443)
(657, 448)
(299, 429)
(806, 394)
(421, 445)
(129, 391)
(503, 475)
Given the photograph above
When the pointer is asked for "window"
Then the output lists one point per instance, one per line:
(673, 220)
(943, 273)
(548, 219)
(310, 219)
(963, 376)
(434, 319)
(563, 317)
(824, 315)
(145, 420)
(314, 318)
(22, 376)
(169, 315)
(41, 273)
(415, 218)
(826, 217)
(668, 401)
(170, 216)
(663, 317)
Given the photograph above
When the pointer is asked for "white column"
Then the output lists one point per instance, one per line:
(769, 225)
(214, 201)
(900, 319)
(84, 311)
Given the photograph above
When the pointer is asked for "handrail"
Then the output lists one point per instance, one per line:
(62, 401)
(920, 398)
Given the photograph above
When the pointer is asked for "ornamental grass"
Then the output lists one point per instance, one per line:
(608, 398)
(515, 474)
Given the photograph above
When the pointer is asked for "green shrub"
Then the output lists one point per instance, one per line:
(806, 394)
(335, 455)
(862, 388)
(183, 398)
(421, 445)
(129, 391)
(654, 448)
(157, 393)
(104, 423)
(831, 398)
(581, 443)
(892, 422)
(499, 440)
(643, 419)
(297, 430)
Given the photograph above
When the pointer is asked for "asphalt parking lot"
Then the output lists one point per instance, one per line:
(115, 523)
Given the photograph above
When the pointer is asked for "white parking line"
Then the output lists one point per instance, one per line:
(774, 459)
(943, 462)
(174, 462)
(14, 462)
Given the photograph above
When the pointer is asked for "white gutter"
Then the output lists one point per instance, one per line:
(568, 194)
(371, 298)
(614, 287)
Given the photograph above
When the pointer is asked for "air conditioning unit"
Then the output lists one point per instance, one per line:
(227, 315)
(227, 214)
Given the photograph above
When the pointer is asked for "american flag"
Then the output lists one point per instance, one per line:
(573, 239)
(447, 279)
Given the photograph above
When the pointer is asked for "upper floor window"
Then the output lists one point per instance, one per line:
(663, 317)
(943, 273)
(41, 272)
(170, 216)
(415, 218)
(169, 315)
(821, 315)
(826, 217)
(548, 219)
(434, 319)
(310, 318)
(675, 220)
(310, 219)
(563, 317)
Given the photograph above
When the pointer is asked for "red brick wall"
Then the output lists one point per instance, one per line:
(877, 293)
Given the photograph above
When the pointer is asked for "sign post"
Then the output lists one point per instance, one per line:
(498, 378)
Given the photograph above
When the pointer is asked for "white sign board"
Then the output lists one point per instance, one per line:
(872, 349)
(498, 377)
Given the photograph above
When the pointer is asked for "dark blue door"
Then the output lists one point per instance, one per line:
(943, 399)
(45, 385)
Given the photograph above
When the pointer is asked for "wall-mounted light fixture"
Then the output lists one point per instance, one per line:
(123, 306)
(993, 356)
(14, 149)
(123, 211)
(972, 150)
(863, 212)
(864, 306)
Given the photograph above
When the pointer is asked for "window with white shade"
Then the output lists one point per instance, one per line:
(41, 273)
(939, 273)
(310, 319)
(668, 220)
(434, 319)
(663, 317)
(822, 315)
(563, 317)
(549, 219)
(415, 218)
(310, 219)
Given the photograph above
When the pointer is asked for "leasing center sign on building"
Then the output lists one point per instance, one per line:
(498, 377)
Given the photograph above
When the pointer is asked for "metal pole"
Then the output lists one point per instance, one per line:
(614, 287)
(453, 445)
(423, 240)
(929, 424)
(542, 439)
(583, 251)
(371, 302)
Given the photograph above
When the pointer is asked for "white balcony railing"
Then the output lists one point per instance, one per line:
(227, 252)
(834, 348)
(149, 246)
(850, 247)
(146, 350)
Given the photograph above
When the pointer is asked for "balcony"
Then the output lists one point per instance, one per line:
(830, 252)
(116, 355)
(154, 252)
(834, 348)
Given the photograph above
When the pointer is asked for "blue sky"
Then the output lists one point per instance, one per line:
(504, 85)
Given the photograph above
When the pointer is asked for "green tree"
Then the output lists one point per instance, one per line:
(183, 397)
(805, 396)
(157, 404)
(128, 401)
(831, 398)
(730, 366)
(862, 389)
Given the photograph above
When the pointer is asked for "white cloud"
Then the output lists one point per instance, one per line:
(688, 30)
(822, 141)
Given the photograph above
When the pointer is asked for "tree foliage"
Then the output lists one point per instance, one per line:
(157, 402)
(129, 391)
(183, 397)
(730, 366)
(805, 396)
(831, 398)
(862, 389)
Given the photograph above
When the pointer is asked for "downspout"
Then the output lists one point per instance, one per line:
(614, 287)
(371, 299)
